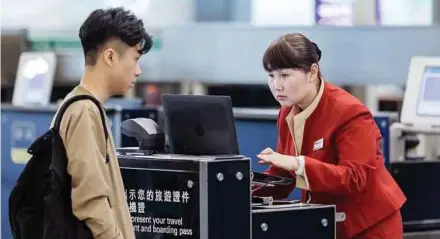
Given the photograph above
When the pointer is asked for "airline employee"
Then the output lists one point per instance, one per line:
(329, 143)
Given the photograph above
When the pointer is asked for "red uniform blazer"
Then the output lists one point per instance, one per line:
(348, 171)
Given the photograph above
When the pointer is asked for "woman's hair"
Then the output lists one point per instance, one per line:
(291, 51)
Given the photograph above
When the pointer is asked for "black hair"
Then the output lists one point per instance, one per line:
(291, 51)
(103, 25)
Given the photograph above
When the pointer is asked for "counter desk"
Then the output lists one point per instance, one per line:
(176, 196)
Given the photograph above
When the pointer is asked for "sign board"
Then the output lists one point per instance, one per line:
(23, 133)
(166, 207)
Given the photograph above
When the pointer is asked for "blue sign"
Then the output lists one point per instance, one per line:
(23, 133)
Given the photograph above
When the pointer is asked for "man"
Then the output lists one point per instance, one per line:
(113, 40)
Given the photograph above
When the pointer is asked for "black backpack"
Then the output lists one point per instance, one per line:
(40, 204)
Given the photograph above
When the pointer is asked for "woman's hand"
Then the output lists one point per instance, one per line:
(286, 162)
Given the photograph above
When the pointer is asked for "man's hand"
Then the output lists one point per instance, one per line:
(288, 163)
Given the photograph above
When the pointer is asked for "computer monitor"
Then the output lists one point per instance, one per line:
(429, 98)
(200, 124)
(421, 103)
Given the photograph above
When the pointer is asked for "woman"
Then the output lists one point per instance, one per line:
(328, 141)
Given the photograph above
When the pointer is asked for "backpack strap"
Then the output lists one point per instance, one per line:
(73, 99)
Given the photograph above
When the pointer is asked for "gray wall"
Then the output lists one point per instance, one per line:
(351, 55)
(223, 10)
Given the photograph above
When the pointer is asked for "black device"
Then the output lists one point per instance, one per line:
(200, 124)
(131, 113)
(270, 180)
(149, 135)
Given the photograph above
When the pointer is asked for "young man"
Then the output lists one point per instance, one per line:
(113, 40)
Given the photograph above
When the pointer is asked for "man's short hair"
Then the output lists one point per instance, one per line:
(103, 25)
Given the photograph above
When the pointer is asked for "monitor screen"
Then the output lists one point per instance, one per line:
(200, 124)
(429, 96)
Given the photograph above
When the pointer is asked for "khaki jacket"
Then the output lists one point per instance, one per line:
(98, 194)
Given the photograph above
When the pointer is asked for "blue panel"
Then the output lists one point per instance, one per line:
(384, 122)
(19, 129)
(254, 136)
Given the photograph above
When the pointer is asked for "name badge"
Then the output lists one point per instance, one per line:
(319, 144)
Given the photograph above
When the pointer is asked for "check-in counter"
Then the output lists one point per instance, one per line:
(176, 196)
(256, 130)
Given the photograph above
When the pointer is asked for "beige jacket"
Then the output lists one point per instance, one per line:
(98, 194)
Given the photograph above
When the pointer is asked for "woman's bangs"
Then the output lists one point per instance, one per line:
(279, 56)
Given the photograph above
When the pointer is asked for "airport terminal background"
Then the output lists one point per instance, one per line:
(384, 52)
